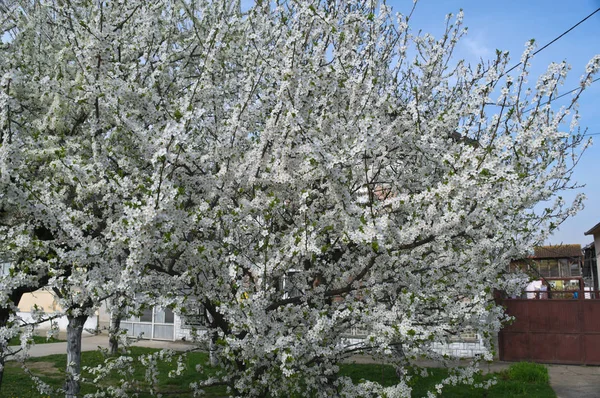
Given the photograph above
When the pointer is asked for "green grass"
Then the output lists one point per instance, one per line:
(527, 372)
(382, 374)
(51, 369)
(36, 339)
(520, 380)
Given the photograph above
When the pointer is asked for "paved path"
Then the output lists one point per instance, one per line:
(91, 343)
(572, 381)
(568, 381)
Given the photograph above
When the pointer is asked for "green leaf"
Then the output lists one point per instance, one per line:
(177, 115)
(375, 246)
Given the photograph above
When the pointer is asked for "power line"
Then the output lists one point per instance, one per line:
(562, 95)
(548, 44)
(556, 39)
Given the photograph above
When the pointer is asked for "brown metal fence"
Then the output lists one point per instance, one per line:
(552, 327)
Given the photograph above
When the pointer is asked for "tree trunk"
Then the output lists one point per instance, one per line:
(1, 370)
(398, 351)
(74, 330)
(114, 330)
(4, 315)
(212, 349)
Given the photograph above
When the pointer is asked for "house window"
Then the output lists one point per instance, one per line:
(4, 266)
(146, 315)
(163, 316)
(562, 267)
(153, 323)
(548, 268)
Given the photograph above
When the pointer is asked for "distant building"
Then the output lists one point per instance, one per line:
(593, 250)
(555, 261)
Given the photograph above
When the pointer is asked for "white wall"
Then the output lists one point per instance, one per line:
(91, 323)
(184, 333)
(462, 348)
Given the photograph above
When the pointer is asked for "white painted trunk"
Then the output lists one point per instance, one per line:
(74, 330)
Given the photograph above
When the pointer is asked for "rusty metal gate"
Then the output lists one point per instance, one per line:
(552, 330)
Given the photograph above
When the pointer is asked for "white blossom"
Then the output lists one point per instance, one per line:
(291, 168)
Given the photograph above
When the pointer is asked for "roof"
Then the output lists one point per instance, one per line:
(558, 251)
(595, 229)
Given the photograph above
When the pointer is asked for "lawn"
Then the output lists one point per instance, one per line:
(51, 370)
(520, 380)
(36, 339)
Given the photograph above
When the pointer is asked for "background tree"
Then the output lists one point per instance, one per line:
(298, 169)
(56, 173)
(20, 280)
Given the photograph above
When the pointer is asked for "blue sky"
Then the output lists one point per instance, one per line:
(507, 25)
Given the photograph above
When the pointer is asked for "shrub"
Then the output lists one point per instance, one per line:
(528, 372)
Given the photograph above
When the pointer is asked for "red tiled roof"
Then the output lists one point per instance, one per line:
(557, 251)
